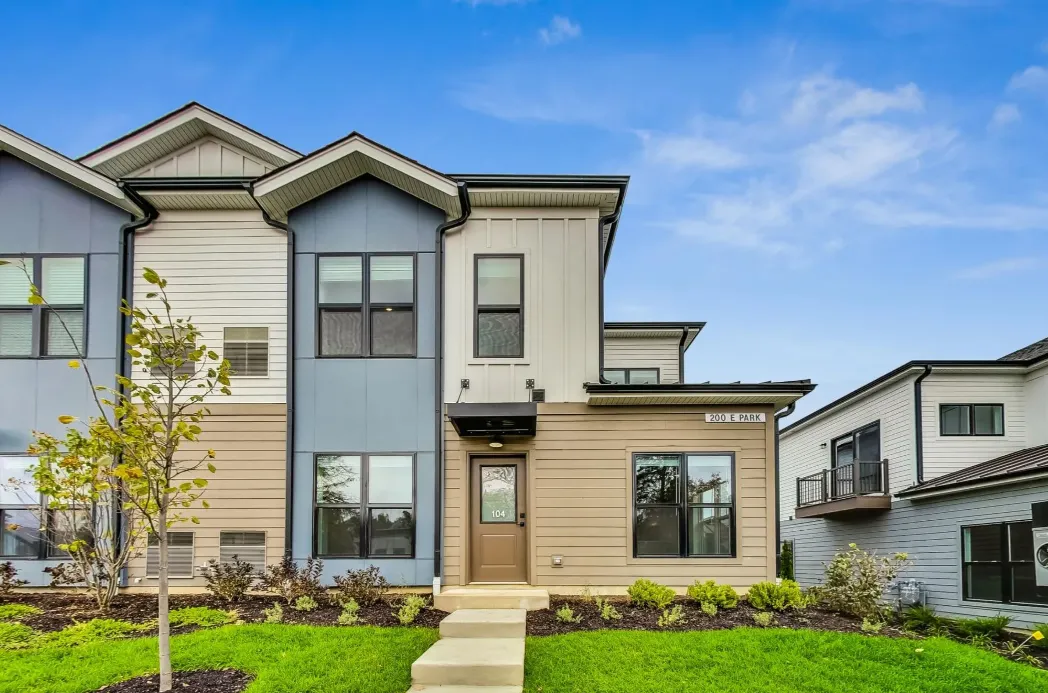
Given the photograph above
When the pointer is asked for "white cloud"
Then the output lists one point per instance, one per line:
(560, 29)
(689, 151)
(1033, 78)
(823, 96)
(999, 268)
(1005, 114)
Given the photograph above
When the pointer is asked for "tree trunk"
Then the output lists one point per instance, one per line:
(164, 625)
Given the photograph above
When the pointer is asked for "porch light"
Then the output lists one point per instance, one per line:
(496, 442)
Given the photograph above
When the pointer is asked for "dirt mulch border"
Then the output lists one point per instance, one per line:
(201, 681)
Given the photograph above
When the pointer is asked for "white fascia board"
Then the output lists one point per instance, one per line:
(955, 490)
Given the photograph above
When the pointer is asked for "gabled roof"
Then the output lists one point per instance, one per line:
(1010, 468)
(177, 129)
(643, 330)
(1033, 351)
(64, 168)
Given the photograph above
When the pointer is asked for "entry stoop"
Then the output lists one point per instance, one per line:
(485, 623)
(471, 662)
(456, 598)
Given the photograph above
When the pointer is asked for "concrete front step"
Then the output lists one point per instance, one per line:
(466, 689)
(471, 662)
(485, 623)
(455, 598)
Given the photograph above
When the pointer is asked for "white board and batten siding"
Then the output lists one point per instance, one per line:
(645, 352)
(1037, 406)
(224, 269)
(561, 302)
(802, 452)
(209, 156)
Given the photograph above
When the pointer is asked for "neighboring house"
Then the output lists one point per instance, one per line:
(938, 459)
(424, 379)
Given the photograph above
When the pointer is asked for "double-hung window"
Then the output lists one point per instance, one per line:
(365, 506)
(997, 563)
(247, 350)
(366, 318)
(971, 419)
(632, 376)
(19, 508)
(498, 321)
(57, 329)
(683, 504)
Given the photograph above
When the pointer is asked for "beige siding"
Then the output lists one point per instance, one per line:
(561, 289)
(209, 156)
(579, 496)
(247, 491)
(645, 352)
(224, 269)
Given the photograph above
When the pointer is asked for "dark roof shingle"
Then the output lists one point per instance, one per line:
(1014, 464)
(1035, 350)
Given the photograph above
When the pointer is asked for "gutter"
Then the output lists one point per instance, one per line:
(438, 368)
(680, 357)
(918, 422)
(602, 268)
(803, 387)
(192, 184)
(289, 396)
(916, 494)
(778, 489)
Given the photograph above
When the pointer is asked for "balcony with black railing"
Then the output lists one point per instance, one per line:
(847, 489)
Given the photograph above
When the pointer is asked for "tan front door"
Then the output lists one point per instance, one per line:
(498, 527)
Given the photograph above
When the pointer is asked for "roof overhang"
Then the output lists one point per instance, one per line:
(194, 193)
(775, 395)
(295, 184)
(654, 330)
(64, 168)
(177, 129)
(483, 420)
(917, 493)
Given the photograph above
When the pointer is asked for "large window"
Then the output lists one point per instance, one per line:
(366, 318)
(997, 563)
(28, 331)
(19, 509)
(971, 419)
(632, 376)
(498, 325)
(365, 506)
(683, 504)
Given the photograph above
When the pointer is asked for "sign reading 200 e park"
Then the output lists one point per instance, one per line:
(733, 417)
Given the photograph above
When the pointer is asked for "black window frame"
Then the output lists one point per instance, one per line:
(1005, 562)
(496, 308)
(40, 313)
(365, 308)
(628, 371)
(852, 433)
(36, 508)
(364, 506)
(971, 420)
(683, 506)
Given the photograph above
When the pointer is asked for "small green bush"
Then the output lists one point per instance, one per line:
(409, 609)
(709, 592)
(9, 579)
(764, 618)
(95, 630)
(871, 627)
(274, 615)
(15, 635)
(288, 581)
(672, 617)
(921, 618)
(566, 614)
(990, 627)
(367, 586)
(229, 581)
(305, 603)
(350, 613)
(709, 608)
(202, 616)
(1042, 628)
(608, 612)
(17, 612)
(786, 561)
(768, 595)
(856, 580)
(650, 594)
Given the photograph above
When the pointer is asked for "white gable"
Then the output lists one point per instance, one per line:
(207, 157)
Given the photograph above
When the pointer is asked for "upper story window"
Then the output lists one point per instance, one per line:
(247, 349)
(28, 331)
(862, 445)
(498, 325)
(632, 376)
(366, 318)
(971, 419)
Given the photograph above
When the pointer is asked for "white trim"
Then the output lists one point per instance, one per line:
(932, 493)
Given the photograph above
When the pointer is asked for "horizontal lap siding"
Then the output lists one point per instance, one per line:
(645, 352)
(579, 500)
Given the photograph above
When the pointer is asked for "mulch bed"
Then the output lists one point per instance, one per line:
(61, 610)
(203, 681)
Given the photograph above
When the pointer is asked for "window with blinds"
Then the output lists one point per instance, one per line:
(179, 555)
(249, 547)
(247, 349)
(54, 329)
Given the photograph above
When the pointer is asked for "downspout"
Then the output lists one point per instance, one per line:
(680, 358)
(602, 265)
(126, 272)
(918, 422)
(289, 396)
(778, 493)
(438, 367)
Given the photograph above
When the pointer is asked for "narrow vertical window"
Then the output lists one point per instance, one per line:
(391, 299)
(16, 315)
(338, 499)
(62, 286)
(391, 520)
(19, 508)
(499, 314)
(340, 298)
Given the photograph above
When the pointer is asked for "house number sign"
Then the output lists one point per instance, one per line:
(733, 417)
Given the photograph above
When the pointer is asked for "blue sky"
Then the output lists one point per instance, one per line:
(836, 186)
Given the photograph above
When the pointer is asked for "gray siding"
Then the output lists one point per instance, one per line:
(930, 532)
(42, 214)
(371, 405)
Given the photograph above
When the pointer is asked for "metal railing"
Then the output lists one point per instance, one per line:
(844, 481)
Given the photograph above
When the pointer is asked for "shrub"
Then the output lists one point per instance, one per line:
(202, 616)
(366, 586)
(8, 581)
(565, 614)
(607, 610)
(287, 580)
(17, 612)
(15, 635)
(871, 627)
(65, 574)
(778, 597)
(991, 627)
(709, 608)
(587, 596)
(764, 618)
(672, 617)
(274, 615)
(229, 581)
(409, 609)
(650, 594)
(95, 630)
(1042, 628)
(856, 580)
(921, 618)
(349, 615)
(305, 603)
(710, 592)
(786, 561)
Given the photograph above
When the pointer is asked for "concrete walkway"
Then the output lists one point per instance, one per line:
(481, 649)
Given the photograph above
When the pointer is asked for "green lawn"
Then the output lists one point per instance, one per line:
(284, 659)
(778, 661)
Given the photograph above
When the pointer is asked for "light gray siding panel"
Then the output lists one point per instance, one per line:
(930, 532)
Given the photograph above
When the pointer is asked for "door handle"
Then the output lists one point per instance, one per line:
(520, 524)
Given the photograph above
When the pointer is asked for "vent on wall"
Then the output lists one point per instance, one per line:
(179, 555)
(249, 547)
(538, 395)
